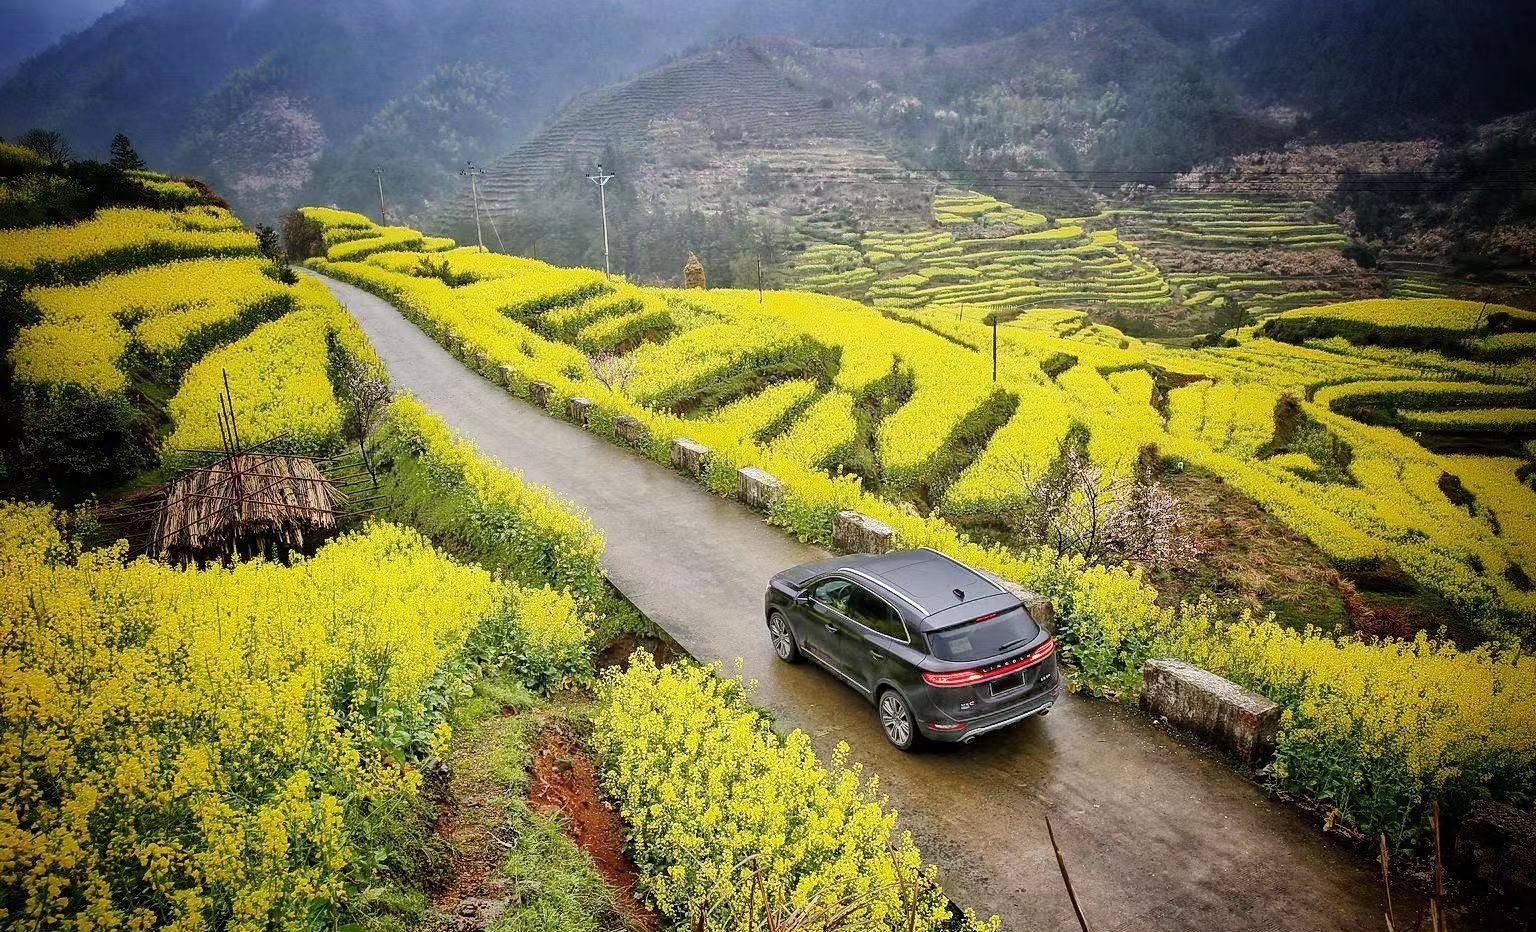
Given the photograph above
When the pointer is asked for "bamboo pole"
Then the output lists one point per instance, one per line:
(1061, 863)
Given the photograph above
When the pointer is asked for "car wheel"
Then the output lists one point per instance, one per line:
(896, 720)
(784, 646)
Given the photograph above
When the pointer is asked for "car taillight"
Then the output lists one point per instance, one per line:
(971, 677)
(957, 678)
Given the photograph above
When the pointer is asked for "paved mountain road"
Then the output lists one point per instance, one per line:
(1158, 835)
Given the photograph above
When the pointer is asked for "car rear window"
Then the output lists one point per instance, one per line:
(980, 640)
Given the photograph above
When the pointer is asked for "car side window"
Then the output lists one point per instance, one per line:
(835, 594)
(874, 613)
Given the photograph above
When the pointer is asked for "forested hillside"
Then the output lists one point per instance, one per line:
(287, 101)
(288, 96)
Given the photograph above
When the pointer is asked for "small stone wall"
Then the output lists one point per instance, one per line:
(689, 456)
(579, 409)
(758, 488)
(540, 393)
(1496, 845)
(629, 430)
(1239, 720)
(853, 532)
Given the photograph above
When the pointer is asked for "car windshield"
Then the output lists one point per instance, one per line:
(980, 640)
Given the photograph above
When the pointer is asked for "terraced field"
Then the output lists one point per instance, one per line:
(901, 395)
(1178, 260)
(983, 253)
(1189, 235)
(894, 412)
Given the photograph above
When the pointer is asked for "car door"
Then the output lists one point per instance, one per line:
(869, 651)
(826, 621)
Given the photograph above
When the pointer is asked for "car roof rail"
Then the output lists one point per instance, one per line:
(888, 587)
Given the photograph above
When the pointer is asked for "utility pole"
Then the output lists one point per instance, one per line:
(378, 173)
(470, 170)
(759, 279)
(601, 180)
(994, 347)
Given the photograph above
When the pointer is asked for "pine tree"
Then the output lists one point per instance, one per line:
(124, 156)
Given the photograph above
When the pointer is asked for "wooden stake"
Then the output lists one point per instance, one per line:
(1061, 863)
(1437, 905)
(1386, 881)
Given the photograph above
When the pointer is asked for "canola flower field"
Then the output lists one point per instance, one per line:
(1131, 260)
(1375, 729)
(134, 302)
(245, 746)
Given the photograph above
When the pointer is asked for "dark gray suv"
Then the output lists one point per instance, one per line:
(943, 650)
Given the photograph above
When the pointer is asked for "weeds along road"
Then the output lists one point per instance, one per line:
(1157, 834)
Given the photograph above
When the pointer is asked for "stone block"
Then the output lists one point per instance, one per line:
(629, 430)
(758, 488)
(1040, 608)
(689, 456)
(540, 393)
(859, 533)
(1496, 846)
(508, 376)
(1236, 719)
(579, 409)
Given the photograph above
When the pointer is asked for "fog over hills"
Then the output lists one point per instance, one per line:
(279, 102)
(33, 25)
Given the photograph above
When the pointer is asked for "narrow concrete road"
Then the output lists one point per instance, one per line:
(1157, 835)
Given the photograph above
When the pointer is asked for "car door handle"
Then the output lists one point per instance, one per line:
(832, 628)
(877, 654)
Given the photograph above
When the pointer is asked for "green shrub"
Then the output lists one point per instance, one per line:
(520, 530)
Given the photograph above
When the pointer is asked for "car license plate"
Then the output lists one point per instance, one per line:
(1008, 683)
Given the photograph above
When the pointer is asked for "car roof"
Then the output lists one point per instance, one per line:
(926, 579)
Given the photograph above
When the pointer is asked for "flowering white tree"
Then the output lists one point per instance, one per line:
(1078, 507)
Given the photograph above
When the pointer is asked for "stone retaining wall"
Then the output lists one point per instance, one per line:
(579, 409)
(759, 488)
(630, 430)
(689, 456)
(540, 393)
(859, 533)
(1239, 720)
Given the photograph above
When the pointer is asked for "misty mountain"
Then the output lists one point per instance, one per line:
(1391, 67)
(255, 93)
(278, 101)
(32, 26)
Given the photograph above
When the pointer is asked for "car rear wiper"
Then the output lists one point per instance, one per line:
(1012, 644)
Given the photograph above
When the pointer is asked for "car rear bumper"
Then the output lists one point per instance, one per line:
(965, 732)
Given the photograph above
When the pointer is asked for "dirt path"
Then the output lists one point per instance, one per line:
(1159, 835)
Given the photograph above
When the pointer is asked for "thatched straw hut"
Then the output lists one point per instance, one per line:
(247, 504)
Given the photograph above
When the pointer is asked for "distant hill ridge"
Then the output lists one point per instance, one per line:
(694, 130)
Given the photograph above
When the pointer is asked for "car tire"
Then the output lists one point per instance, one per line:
(782, 636)
(896, 720)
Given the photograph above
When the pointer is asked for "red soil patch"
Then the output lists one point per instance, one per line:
(563, 778)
